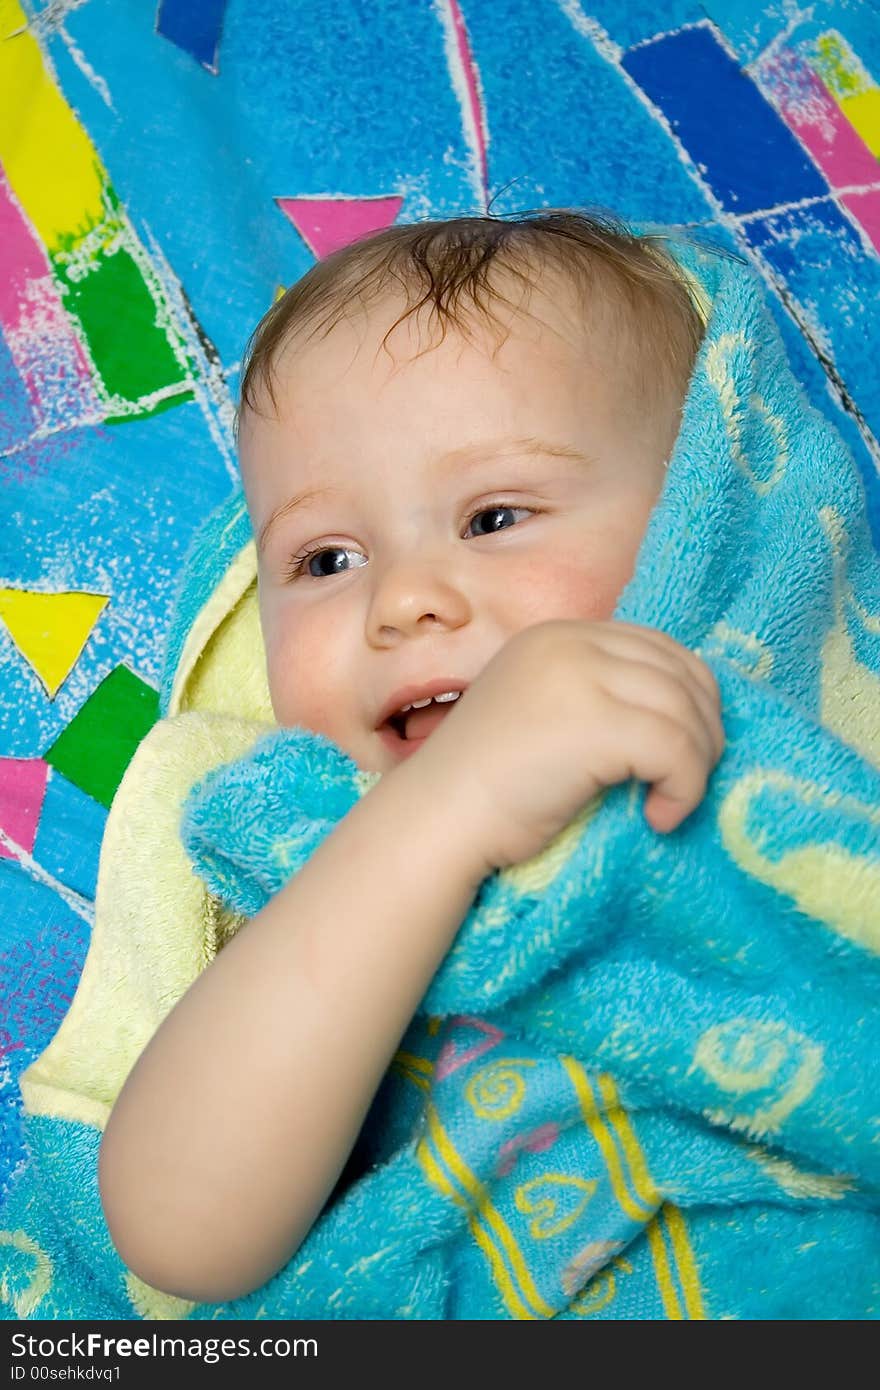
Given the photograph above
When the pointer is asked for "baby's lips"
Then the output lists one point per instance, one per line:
(407, 694)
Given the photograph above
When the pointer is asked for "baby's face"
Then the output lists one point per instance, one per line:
(447, 502)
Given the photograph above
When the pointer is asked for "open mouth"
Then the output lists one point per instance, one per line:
(413, 726)
(393, 735)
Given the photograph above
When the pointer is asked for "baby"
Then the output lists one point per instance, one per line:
(477, 667)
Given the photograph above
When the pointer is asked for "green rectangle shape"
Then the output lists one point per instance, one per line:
(99, 742)
(119, 317)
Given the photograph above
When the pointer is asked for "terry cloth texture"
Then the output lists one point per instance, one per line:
(643, 1082)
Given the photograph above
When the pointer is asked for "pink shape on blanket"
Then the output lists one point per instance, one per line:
(810, 111)
(326, 224)
(22, 788)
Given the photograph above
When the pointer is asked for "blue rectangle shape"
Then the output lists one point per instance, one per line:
(750, 158)
(193, 27)
(68, 838)
(820, 257)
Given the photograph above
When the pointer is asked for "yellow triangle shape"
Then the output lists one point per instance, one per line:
(50, 630)
(280, 292)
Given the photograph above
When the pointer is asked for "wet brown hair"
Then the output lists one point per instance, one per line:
(632, 291)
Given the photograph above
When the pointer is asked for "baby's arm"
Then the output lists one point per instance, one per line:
(238, 1117)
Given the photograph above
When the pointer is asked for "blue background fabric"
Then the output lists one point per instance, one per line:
(242, 141)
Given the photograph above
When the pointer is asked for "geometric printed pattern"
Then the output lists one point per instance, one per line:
(50, 630)
(195, 29)
(326, 224)
(572, 1202)
(95, 748)
(146, 220)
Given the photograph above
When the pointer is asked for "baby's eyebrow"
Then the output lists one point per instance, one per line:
(489, 449)
(456, 459)
(299, 499)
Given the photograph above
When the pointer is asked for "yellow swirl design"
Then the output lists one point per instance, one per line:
(746, 1058)
(721, 377)
(600, 1290)
(25, 1300)
(824, 880)
(497, 1090)
(744, 650)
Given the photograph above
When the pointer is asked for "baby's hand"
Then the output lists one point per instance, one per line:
(566, 708)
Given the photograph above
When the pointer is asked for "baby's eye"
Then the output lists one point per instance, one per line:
(326, 564)
(301, 564)
(495, 512)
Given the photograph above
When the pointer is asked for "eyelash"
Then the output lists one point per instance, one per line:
(297, 563)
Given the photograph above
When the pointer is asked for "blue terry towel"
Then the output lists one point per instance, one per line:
(643, 1083)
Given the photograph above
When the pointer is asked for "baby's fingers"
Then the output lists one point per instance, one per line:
(671, 757)
(643, 647)
(663, 813)
(674, 697)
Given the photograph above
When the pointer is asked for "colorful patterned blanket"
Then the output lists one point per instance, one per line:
(641, 1084)
(161, 177)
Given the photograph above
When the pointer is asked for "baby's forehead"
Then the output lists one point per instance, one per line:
(594, 294)
(537, 348)
(387, 335)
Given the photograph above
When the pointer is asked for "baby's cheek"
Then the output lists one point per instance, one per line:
(577, 587)
(592, 578)
(283, 697)
(280, 672)
(301, 688)
(602, 590)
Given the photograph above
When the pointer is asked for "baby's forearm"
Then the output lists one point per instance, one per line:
(237, 1119)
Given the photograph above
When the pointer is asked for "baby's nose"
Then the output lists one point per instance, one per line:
(411, 598)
